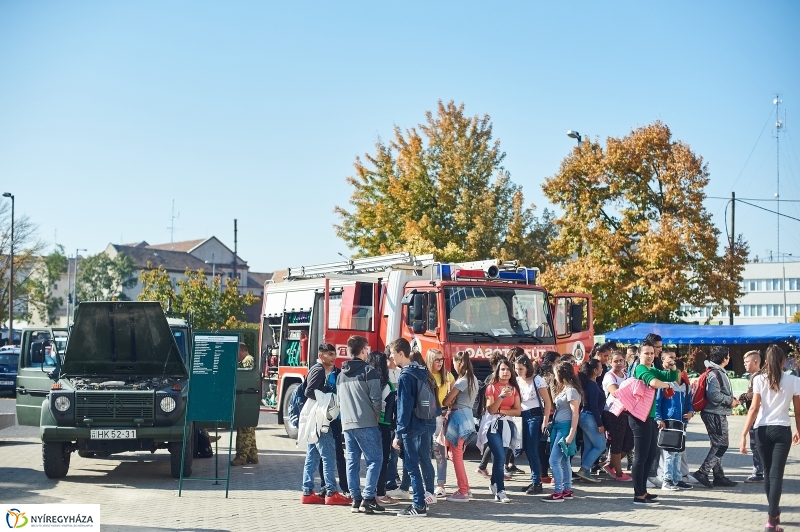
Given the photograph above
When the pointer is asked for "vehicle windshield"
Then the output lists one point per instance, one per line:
(497, 312)
(8, 360)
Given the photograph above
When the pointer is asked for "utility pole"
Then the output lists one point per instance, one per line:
(732, 243)
(235, 249)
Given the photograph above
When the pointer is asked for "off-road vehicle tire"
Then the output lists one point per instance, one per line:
(175, 449)
(287, 398)
(55, 459)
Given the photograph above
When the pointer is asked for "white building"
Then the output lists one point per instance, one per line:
(771, 295)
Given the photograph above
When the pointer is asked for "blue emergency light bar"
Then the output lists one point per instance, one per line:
(522, 275)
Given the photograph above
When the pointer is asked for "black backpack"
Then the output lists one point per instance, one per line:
(427, 405)
(202, 448)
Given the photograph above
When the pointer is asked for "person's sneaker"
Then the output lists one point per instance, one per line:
(724, 482)
(430, 498)
(535, 489)
(483, 473)
(399, 494)
(502, 497)
(754, 479)
(514, 470)
(669, 486)
(653, 482)
(458, 497)
(568, 494)
(312, 498)
(651, 497)
(624, 477)
(337, 499)
(356, 507)
(683, 485)
(386, 500)
(645, 502)
(469, 493)
(690, 479)
(238, 461)
(440, 492)
(610, 471)
(370, 506)
(526, 488)
(703, 479)
(411, 511)
(554, 497)
(547, 480)
(493, 488)
(585, 475)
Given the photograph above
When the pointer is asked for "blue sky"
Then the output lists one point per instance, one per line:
(257, 110)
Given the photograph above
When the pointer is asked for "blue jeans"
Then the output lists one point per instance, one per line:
(412, 452)
(366, 441)
(594, 443)
(531, 433)
(325, 448)
(672, 467)
(495, 442)
(391, 469)
(559, 463)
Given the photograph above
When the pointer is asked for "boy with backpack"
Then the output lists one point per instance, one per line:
(416, 405)
(322, 377)
(359, 389)
(714, 399)
(673, 411)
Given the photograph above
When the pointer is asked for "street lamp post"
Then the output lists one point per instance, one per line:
(74, 287)
(575, 135)
(11, 275)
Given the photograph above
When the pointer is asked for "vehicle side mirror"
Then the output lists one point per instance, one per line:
(37, 353)
(575, 318)
(418, 327)
(418, 307)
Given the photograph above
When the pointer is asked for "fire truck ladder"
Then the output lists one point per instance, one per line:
(402, 260)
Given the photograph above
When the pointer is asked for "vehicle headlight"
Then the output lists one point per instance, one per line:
(62, 403)
(167, 404)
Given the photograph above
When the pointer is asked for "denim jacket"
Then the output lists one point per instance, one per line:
(460, 425)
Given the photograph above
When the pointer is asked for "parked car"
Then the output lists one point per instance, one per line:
(9, 357)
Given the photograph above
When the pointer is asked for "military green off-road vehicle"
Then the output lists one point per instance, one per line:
(119, 385)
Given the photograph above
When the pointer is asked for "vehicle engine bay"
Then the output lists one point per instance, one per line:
(132, 383)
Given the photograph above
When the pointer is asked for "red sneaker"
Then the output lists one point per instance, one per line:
(312, 499)
(554, 497)
(337, 499)
(568, 494)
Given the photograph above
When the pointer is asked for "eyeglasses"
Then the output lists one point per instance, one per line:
(438, 360)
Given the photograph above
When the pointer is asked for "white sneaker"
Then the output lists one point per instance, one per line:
(493, 487)
(501, 497)
(689, 479)
(669, 486)
(430, 498)
(399, 494)
(440, 492)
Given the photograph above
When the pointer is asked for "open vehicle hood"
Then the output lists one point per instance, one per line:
(122, 338)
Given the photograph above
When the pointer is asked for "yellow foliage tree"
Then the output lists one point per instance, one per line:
(441, 188)
(636, 231)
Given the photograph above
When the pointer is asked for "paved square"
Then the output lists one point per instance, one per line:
(136, 492)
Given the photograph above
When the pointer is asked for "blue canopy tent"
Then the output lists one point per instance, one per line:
(679, 334)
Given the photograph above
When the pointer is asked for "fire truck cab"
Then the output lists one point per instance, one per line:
(480, 307)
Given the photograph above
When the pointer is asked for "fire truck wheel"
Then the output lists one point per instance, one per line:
(287, 396)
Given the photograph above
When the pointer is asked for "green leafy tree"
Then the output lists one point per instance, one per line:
(101, 278)
(441, 188)
(211, 306)
(636, 232)
(51, 268)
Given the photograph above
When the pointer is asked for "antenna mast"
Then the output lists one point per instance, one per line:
(172, 218)
(778, 126)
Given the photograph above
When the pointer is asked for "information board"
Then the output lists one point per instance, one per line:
(212, 381)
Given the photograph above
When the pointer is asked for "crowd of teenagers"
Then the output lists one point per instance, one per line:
(613, 406)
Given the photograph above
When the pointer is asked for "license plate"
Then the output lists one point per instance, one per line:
(113, 434)
(6, 383)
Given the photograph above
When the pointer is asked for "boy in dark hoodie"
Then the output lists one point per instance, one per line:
(359, 389)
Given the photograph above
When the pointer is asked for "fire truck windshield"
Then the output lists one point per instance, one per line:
(520, 314)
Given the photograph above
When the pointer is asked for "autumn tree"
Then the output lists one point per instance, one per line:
(101, 278)
(636, 231)
(211, 305)
(42, 298)
(27, 258)
(441, 188)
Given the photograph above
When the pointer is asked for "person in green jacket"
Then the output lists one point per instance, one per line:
(645, 433)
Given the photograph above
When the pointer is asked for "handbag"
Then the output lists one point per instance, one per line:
(672, 437)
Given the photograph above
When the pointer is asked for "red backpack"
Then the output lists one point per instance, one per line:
(699, 399)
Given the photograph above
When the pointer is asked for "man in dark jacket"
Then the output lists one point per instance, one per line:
(359, 389)
(411, 430)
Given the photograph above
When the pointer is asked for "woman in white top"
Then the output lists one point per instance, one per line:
(536, 406)
(773, 391)
(619, 431)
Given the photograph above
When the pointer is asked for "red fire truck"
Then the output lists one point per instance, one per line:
(480, 307)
